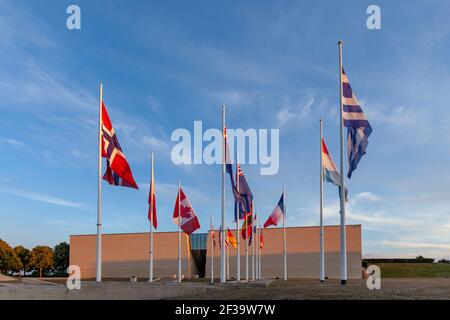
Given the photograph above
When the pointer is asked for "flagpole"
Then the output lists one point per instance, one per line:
(322, 248)
(238, 240)
(99, 194)
(257, 248)
(212, 248)
(260, 252)
(343, 255)
(179, 232)
(150, 277)
(246, 246)
(284, 234)
(222, 250)
(253, 249)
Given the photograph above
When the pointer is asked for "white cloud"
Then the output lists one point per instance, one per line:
(41, 197)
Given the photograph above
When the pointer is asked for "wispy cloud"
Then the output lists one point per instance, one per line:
(41, 197)
(12, 142)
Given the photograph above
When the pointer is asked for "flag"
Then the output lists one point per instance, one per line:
(253, 231)
(213, 235)
(358, 126)
(330, 171)
(231, 239)
(277, 214)
(189, 221)
(261, 240)
(245, 197)
(152, 202)
(246, 229)
(228, 162)
(118, 171)
(220, 238)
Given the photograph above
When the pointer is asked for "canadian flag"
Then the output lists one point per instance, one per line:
(184, 214)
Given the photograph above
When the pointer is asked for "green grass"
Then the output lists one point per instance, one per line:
(414, 270)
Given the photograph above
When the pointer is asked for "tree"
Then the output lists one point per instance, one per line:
(61, 257)
(41, 259)
(8, 259)
(24, 255)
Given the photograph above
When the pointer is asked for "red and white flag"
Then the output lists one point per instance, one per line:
(118, 170)
(189, 221)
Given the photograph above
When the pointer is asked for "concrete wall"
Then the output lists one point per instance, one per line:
(125, 255)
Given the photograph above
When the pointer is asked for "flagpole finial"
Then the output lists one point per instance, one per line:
(340, 43)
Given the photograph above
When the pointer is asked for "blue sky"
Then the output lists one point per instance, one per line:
(273, 64)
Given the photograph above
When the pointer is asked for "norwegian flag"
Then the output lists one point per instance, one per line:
(118, 171)
(185, 212)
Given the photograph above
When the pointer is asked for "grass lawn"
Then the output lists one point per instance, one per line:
(414, 270)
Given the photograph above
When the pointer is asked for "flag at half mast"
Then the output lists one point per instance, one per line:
(358, 126)
(330, 171)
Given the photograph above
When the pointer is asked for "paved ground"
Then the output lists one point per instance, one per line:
(32, 288)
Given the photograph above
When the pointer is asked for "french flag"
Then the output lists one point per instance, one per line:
(277, 214)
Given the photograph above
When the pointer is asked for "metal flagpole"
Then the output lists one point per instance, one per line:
(284, 234)
(238, 238)
(152, 183)
(259, 249)
(322, 253)
(179, 232)
(212, 248)
(253, 249)
(246, 246)
(99, 193)
(222, 250)
(343, 255)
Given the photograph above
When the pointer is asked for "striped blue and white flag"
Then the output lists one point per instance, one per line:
(358, 126)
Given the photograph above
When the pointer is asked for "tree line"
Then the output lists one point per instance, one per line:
(41, 260)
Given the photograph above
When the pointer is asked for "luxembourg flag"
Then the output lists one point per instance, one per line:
(330, 171)
(277, 214)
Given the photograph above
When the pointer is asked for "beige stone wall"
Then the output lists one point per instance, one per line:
(125, 255)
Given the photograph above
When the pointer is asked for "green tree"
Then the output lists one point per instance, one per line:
(41, 259)
(24, 255)
(8, 259)
(61, 257)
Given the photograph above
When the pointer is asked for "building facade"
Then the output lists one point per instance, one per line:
(126, 255)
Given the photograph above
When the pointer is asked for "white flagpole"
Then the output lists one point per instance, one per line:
(222, 250)
(284, 234)
(322, 248)
(343, 255)
(150, 276)
(253, 249)
(238, 240)
(179, 232)
(99, 194)
(246, 247)
(212, 248)
(259, 250)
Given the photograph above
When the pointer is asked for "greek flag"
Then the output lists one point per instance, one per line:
(358, 126)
